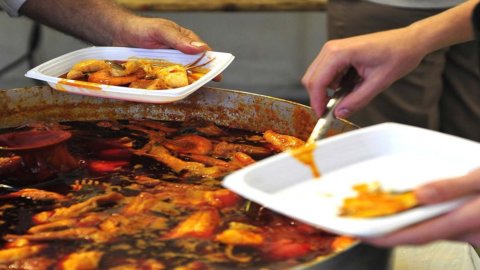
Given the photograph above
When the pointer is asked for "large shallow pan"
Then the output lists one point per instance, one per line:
(224, 107)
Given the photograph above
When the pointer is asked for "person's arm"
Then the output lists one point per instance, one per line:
(104, 22)
(382, 58)
(462, 224)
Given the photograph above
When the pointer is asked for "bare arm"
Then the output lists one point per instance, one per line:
(104, 22)
(384, 57)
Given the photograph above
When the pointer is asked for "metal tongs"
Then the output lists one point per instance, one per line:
(325, 121)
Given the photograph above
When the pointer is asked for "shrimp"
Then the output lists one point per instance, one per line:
(201, 224)
(172, 76)
(35, 194)
(224, 149)
(281, 142)
(76, 210)
(162, 154)
(14, 254)
(241, 234)
(105, 76)
(168, 75)
(85, 260)
(189, 144)
(87, 66)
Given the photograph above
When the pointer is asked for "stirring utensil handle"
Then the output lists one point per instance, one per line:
(323, 124)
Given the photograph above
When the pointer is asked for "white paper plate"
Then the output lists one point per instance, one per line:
(399, 157)
(51, 70)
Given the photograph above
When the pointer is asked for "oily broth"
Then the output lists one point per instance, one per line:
(83, 183)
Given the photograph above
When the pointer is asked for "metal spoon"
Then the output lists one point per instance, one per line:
(325, 121)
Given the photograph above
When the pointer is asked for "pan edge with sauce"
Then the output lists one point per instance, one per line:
(224, 107)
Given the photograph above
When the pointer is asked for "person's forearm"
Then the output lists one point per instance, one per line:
(445, 29)
(96, 21)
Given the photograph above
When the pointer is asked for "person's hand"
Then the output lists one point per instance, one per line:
(462, 224)
(157, 33)
(379, 59)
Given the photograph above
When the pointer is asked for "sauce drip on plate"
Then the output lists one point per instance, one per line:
(304, 154)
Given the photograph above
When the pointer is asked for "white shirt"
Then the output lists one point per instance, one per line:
(419, 3)
(12, 6)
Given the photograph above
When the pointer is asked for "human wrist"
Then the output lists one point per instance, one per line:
(123, 31)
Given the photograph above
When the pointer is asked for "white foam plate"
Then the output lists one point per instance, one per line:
(51, 70)
(398, 157)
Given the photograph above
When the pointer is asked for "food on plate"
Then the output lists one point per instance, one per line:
(373, 201)
(145, 194)
(152, 74)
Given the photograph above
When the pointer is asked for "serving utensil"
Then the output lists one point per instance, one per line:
(324, 122)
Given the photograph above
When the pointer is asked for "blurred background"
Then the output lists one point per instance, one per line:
(272, 49)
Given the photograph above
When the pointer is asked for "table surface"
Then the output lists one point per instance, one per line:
(224, 5)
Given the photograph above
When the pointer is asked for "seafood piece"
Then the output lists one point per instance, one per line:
(282, 142)
(241, 160)
(139, 204)
(118, 224)
(372, 201)
(86, 260)
(155, 84)
(42, 153)
(189, 144)
(104, 76)
(33, 263)
(35, 194)
(221, 198)
(76, 210)
(106, 166)
(124, 69)
(161, 154)
(87, 66)
(72, 234)
(226, 150)
(59, 157)
(55, 225)
(210, 161)
(20, 242)
(11, 255)
(180, 194)
(174, 76)
(201, 224)
(210, 129)
(241, 234)
(9, 165)
(237, 160)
